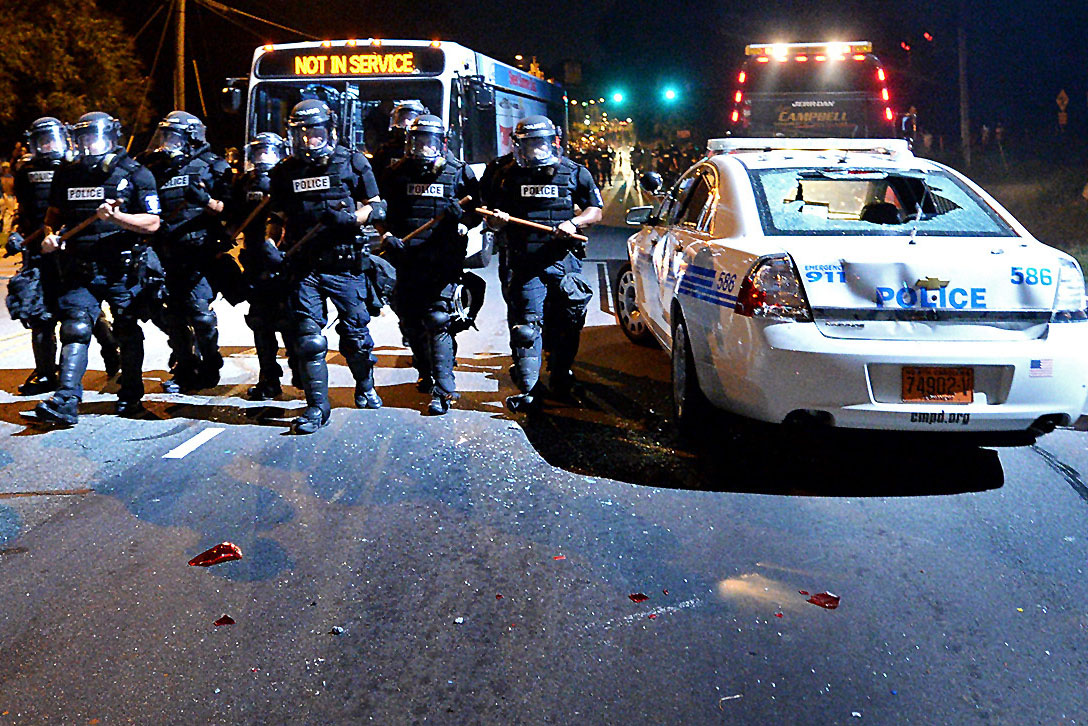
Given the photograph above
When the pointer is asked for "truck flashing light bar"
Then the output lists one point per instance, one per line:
(834, 50)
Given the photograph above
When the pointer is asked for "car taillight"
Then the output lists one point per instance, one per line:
(773, 290)
(1069, 302)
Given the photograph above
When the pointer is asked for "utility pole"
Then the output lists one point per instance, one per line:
(965, 115)
(179, 68)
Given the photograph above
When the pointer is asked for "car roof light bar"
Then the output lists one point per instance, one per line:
(833, 48)
(891, 147)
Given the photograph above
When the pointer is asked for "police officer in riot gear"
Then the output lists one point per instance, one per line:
(546, 298)
(426, 183)
(320, 197)
(262, 261)
(194, 183)
(393, 148)
(47, 140)
(100, 262)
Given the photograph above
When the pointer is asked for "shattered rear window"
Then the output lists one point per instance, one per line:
(874, 202)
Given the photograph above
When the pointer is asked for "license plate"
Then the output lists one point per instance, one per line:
(932, 384)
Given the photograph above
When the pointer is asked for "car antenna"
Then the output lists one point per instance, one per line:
(918, 215)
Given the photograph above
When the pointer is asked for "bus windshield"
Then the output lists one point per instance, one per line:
(362, 107)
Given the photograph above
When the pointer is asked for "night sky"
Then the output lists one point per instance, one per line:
(1021, 54)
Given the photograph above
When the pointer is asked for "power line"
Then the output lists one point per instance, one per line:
(150, 76)
(214, 5)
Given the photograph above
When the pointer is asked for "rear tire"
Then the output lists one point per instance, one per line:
(690, 407)
(629, 317)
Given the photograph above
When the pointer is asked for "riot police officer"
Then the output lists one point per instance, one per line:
(546, 298)
(393, 148)
(99, 263)
(47, 139)
(426, 183)
(194, 184)
(321, 195)
(262, 261)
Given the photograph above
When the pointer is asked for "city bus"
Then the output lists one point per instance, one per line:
(831, 90)
(480, 99)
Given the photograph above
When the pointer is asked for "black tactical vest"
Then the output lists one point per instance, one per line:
(85, 188)
(32, 183)
(540, 195)
(417, 196)
(182, 217)
(312, 188)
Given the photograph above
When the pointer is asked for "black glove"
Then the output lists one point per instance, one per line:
(392, 243)
(379, 210)
(339, 215)
(453, 210)
(14, 244)
(197, 194)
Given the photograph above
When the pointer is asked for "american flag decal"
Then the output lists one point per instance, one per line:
(1043, 368)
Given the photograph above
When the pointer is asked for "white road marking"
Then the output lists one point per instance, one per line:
(193, 444)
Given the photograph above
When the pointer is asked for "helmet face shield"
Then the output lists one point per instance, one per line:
(94, 138)
(168, 141)
(535, 151)
(266, 156)
(404, 115)
(424, 145)
(50, 142)
(308, 141)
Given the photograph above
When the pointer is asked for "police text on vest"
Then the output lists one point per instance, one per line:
(92, 193)
(545, 191)
(312, 184)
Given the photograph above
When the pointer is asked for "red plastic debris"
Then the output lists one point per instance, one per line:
(638, 597)
(223, 552)
(664, 592)
(225, 620)
(560, 557)
(803, 592)
(825, 600)
(778, 615)
(498, 597)
(652, 616)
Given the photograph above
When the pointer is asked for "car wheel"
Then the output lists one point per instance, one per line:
(690, 406)
(629, 317)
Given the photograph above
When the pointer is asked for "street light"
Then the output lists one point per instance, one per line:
(670, 94)
(617, 97)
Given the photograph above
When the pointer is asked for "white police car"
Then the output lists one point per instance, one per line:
(846, 282)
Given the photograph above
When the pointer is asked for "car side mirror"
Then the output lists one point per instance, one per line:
(230, 100)
(651, 181)
(638, 216)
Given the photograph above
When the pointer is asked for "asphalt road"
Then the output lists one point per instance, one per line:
(584, 566)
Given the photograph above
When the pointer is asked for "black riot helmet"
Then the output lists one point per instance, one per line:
(311, 130)
(426, 139)
(47, 138)
(179, 134)
(94, 135)
(536, 142)
(404, 113)
(266, 150)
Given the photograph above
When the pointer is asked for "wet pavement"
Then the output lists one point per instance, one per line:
(582, 566)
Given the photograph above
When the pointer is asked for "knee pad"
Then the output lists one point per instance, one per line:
(257, 321)
(436, 320)
(203, 320)
(311, 347)
(77, 329)
(525, 335)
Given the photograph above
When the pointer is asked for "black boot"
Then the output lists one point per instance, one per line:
(63, 407)
(441, 402)
(315, 382)
(264, 391)
(131, 359)
(363, 369)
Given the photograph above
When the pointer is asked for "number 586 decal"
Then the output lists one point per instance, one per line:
(1031, 276)
(726, 281)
